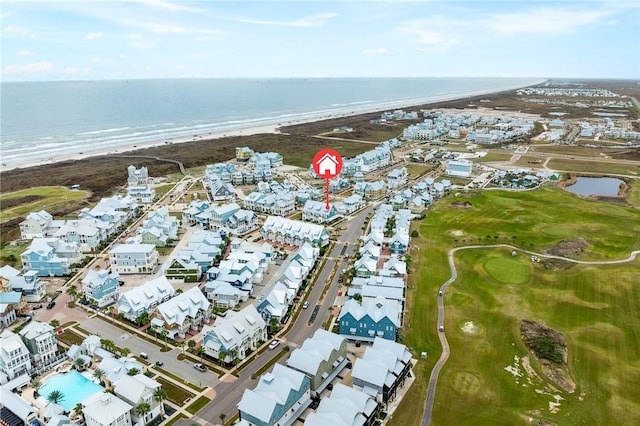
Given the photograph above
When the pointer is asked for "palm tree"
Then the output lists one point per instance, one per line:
(199, 352)
(222, 417)
(107, 344)
(164, 332)
(78, 363)
(181, 345)
(78, 409)
(132, 371)
(125, 352)
(143, 409)
(98, 375)
(73, 292)
(55, 396)
(160, 395)
(36, 385)
(191, 344)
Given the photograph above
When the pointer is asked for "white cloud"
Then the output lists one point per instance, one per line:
(376, 51)
(317, 20)
(24, 53)
(93, 36)
(36, 67)
(170, 6)
(19, 31)
(543, 21)
(433, 34)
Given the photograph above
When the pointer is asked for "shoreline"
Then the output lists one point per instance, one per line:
(272, 128)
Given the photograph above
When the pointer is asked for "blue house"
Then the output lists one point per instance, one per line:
(399, 243)
(103, 286)
(377, 317)
(278, 399)
(50, 257)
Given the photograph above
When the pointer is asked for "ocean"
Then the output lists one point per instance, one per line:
(42, 120)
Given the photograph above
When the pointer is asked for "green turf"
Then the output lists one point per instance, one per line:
(594, 307)
(507, 270)
(48, 196)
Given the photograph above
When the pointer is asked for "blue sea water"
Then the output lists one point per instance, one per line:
(40, 120)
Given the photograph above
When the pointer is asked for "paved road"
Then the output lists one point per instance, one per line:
(229, 393)
(433, 379)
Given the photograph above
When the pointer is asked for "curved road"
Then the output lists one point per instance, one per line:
(433, 379)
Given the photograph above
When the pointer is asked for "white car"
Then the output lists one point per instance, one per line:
(274, 344)
(305, 305)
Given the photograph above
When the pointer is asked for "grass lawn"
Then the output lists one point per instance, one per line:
(593, 167)
(70, 338)
(10, 253)
(198, 404)
(594, 307)
(176, 419)
(35, 199)
(175, 393)
(493, 156)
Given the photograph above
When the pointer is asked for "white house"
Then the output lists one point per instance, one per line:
(105, 409)
(14, 355)
(145, 297)
(345, 406)
(40, 340)
(136, 390)
(133, 258)
(182, 313)
(294, 232)
(232, 336)
(27, 283)
(317, 211)
(35, 225)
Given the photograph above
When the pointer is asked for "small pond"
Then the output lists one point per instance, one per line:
(587, 186)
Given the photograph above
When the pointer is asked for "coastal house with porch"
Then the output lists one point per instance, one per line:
(136, 390)
(193, 210)
(105, 409)
(345, 406)
(373, 318)
(50, 257)
(232, 337)
(316, 211)
(103, 286)
(224, 294)
(321, 358)
(133, 258)
(35, 225)
(15, 358)
(144, 298)
(27, 283)
(279, 398)
(383, 370)
(182, 314)
(294, 232)
(40, 340)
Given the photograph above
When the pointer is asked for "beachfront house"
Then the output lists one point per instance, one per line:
(136, 390)
(28, 283)
(50, 257)
(377, 317)
(137, 176)
(279, 398)
(321, 357)
(143, 194)
(142, 299)
(182, 313)
(133, 258)
(233, 336)
(103, 286)
(15, 359)
(35, 225)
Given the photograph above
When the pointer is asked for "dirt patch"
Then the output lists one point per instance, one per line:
(571, 248)
(557, 264)
(550, 350)
(461, 205)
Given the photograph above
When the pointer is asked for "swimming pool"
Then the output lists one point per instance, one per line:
(73, 385)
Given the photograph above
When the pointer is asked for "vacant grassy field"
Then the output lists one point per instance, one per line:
(593, 167)
(595, 307)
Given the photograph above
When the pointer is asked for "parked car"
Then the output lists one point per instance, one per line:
(37, 306)
(305, 305)
(144, 355)
(200, 367)
(274, 344)
(51, 304)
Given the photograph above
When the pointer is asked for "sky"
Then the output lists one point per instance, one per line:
(95, 40)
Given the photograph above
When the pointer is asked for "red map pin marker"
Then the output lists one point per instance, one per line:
(327, 164)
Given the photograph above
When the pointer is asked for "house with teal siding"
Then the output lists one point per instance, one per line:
(374, 318)
(280, 397)
(50, 257)
(102, 285)
(28, 283)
